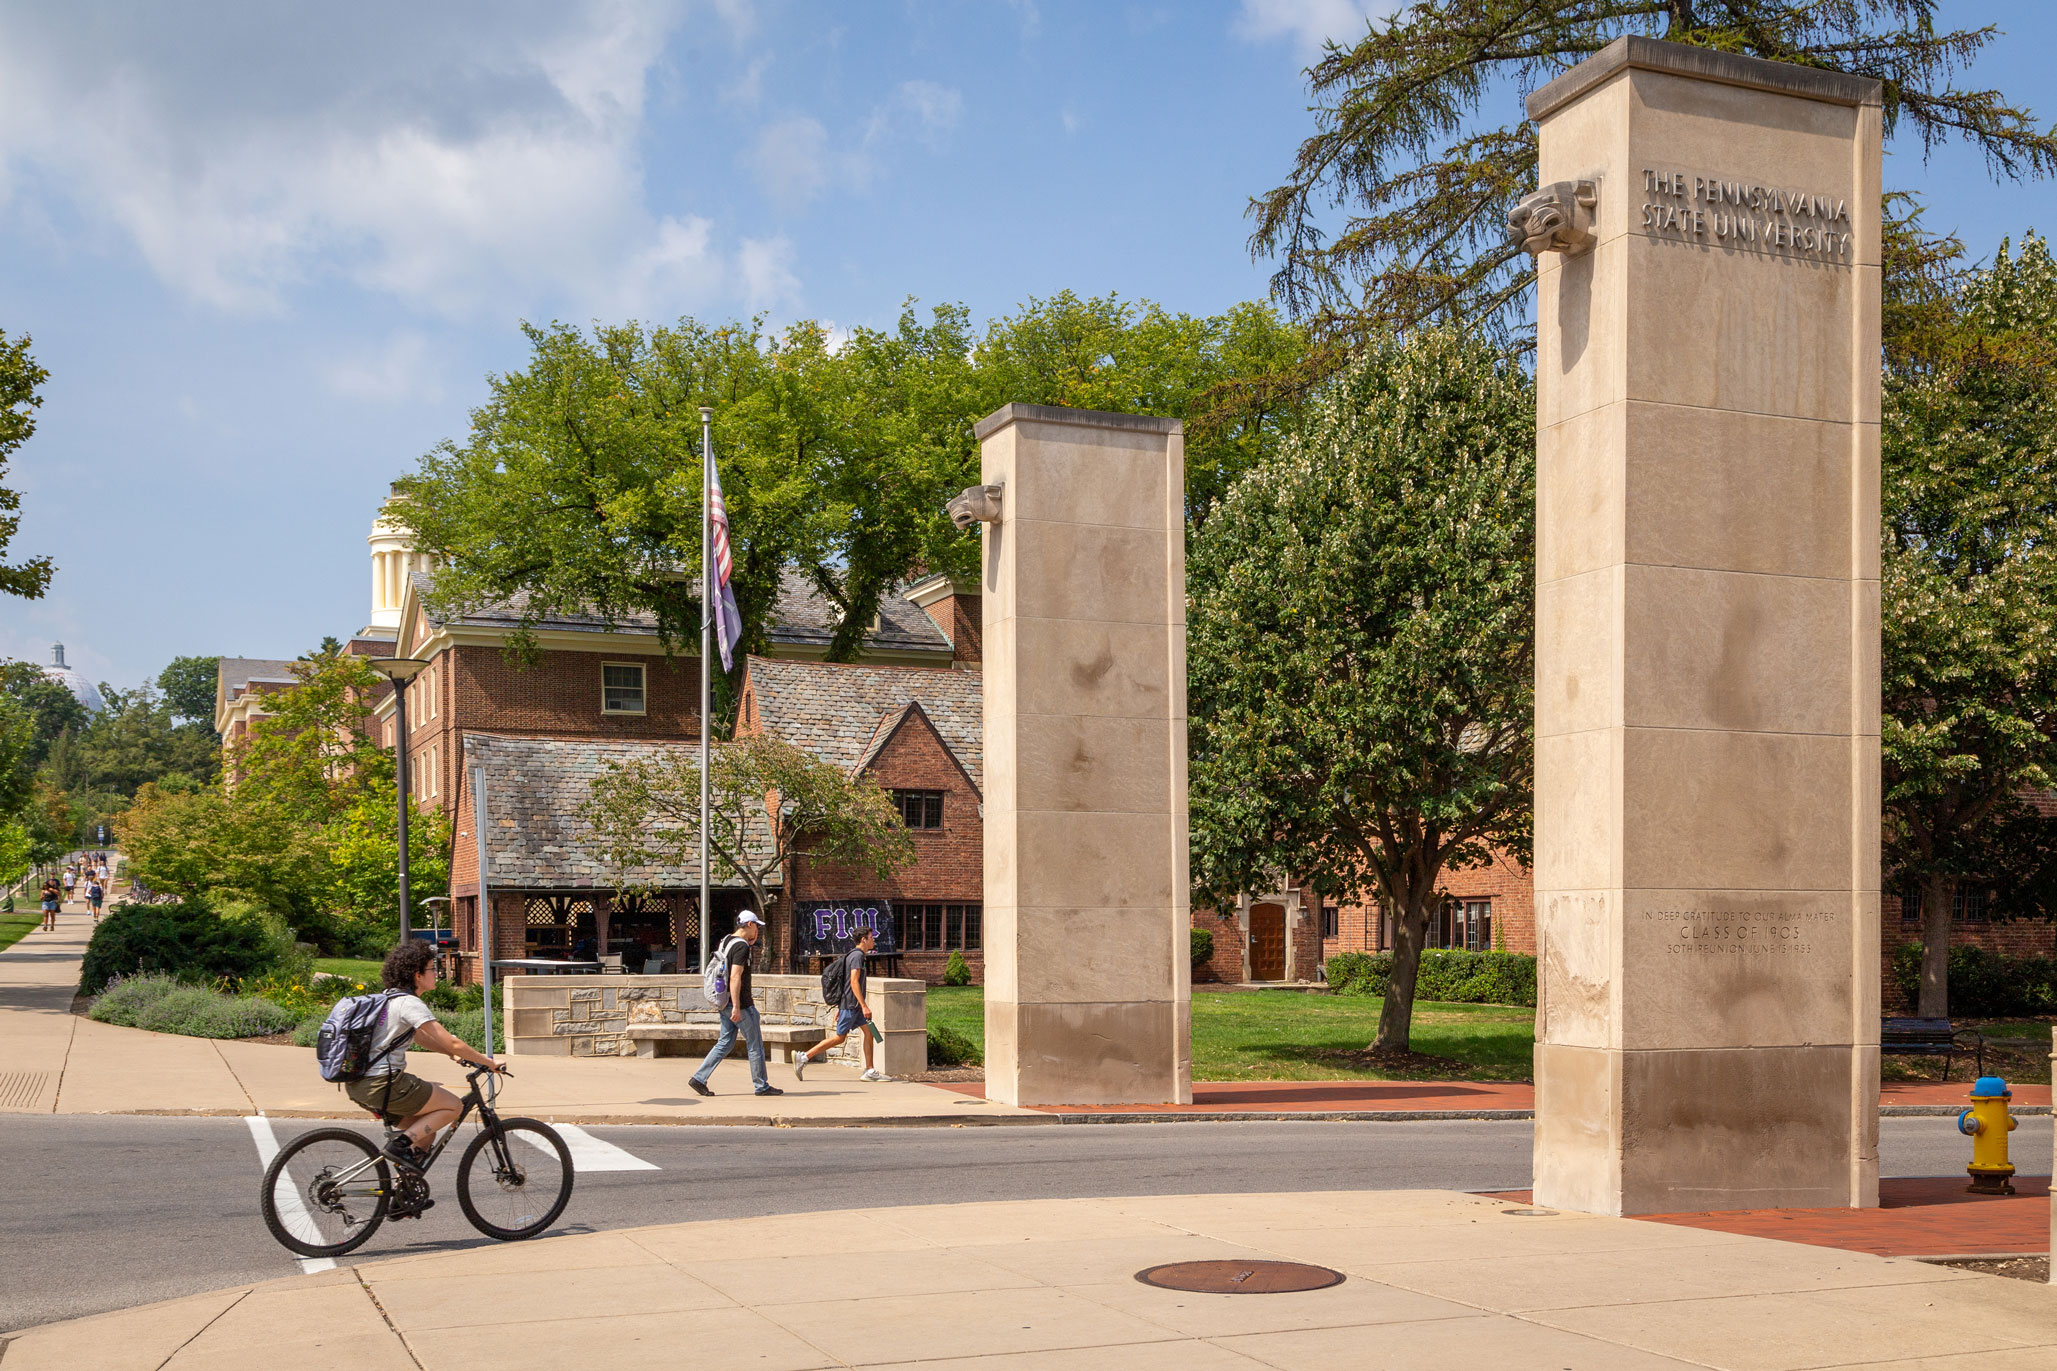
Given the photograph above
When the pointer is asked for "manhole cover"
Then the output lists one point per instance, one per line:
(1240, 1278)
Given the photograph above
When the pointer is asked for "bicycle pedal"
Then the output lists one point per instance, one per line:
(414, 1212)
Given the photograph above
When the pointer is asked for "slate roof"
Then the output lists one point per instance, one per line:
(234, 674)
(803, 618)
(535, 788)
(841, 712)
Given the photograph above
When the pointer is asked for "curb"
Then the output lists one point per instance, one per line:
(1950, 1111)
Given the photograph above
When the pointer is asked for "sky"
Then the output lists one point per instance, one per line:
(269, 253)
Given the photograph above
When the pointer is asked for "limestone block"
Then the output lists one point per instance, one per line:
(524, 992)
(1736, 811)
(1581, 364)
(1578, 629)
(585, 997)
(1582, 469)
(645, 1011)
(1094, 955)
(1579, 966)
(540, 1047)
(903, 1052)
(1115, 1053)
(1090, 763)
(530, 1023)
(1094, 572)
(1092, 859)
(1578, 809)
(1111, 670)
(1739, 968)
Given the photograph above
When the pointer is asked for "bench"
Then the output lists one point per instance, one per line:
(1931, 1038)
(682, 1039)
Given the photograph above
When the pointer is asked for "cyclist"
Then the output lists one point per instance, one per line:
(418, 1108)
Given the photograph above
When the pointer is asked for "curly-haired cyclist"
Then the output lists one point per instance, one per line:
(418, 1108)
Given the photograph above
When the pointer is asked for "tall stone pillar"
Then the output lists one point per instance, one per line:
(1087, 962)
(1707, 648)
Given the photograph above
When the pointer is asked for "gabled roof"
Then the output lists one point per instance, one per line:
(535, 789)
(843, 713)
(802, 619)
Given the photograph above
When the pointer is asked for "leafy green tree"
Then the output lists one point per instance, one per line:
(1361, 643)
(1395, 209)
(189, 685)
(1969, 581)
(578, 487)
(768, 801)
(20, 378)
(53, 708)
(132, 739)
(364, 867)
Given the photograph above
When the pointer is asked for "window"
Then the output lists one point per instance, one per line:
(939, 927)
(1463, 924)
(621, 688)
(1331, 921)
(1910, 905)
(920, 808)
(1970, 905)
(554, 923)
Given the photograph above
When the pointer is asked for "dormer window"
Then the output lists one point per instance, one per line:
(621, 688)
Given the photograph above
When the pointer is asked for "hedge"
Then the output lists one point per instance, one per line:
(1203, 945)
(1450, 976)
(948, 1047)
(187, 939)
(1984, 985)
(165, 1004)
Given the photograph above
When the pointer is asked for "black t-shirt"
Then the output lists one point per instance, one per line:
(738, 973)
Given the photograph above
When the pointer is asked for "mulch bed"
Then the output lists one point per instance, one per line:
(2036, 1269)
(948, 1075)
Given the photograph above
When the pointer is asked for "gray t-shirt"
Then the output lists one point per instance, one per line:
(853, 967)
(402, 1013)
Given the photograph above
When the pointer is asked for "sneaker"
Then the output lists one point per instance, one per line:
(699, 1086)
(800, 1065)
(771, 1090)
(874, 1075)
(401, 1149)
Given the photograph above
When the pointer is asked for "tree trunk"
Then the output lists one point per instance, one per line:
(1396, 1015)
(1936, 909)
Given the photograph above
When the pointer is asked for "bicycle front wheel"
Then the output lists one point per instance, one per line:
(515, 1179)
(326, 1192)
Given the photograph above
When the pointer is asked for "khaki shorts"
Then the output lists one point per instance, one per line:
(410, 1094)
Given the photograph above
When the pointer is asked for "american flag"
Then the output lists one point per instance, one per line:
(728, 624)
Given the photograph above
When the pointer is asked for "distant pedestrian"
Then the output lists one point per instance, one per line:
(95, 893)
(71, 878)
(50, 905)
(738, 1008)
(845, 981)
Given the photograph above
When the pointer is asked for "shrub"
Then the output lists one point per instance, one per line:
(1203, 945)
(1984, 985)
(948, 1047)
(1451, 976)
(188, 939)
(164, 1004)
(444, 997)
(956, 971)
(468, 1024)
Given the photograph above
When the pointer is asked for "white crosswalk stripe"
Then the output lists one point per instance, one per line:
(589, 1153)
(293, 1211)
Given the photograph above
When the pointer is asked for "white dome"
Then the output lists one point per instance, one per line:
(84, 690)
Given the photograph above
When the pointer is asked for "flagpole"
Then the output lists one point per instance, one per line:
(706, 655)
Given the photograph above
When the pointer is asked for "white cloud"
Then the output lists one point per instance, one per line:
(746, 90)
(928, 110)
(1309, 23)
(466, 158)
(767, 271)
(795, 159)
(790, 161)
(400, 370)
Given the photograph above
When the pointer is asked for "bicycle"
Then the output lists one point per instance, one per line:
(327, 1191)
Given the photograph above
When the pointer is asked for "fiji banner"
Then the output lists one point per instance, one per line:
(825, 928)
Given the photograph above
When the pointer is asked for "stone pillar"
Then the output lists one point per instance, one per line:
(1707, 646)
(1087, 960)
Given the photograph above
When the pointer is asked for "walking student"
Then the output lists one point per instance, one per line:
(71, 878)
(739, 1010)
(50, 905)
(853, 1013)
(95, 893)
(418, 1108)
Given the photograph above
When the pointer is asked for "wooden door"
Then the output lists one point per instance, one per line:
(1267, 942)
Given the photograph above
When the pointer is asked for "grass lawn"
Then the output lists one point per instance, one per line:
(13, 926)
(356, 968)
(1283, 1035)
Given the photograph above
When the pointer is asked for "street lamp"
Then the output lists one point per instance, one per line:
(400, 670)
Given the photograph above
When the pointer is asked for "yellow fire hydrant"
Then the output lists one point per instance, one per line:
(1987, 1123)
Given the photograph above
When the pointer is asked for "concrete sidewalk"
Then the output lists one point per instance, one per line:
(54, 1061)
(1433, 1280)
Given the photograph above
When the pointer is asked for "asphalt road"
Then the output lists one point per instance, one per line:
(106, 1212)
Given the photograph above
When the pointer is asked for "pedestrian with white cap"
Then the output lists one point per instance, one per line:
(730, 990)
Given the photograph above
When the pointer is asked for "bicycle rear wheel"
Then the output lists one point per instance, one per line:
(515, 1179)
(326, 1192)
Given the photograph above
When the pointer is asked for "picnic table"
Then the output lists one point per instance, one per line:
(546, 966)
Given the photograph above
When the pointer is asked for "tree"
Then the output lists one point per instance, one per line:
(1969, 584)
(1362, 627)
(19, 379)
(768, 800)
(53, 708)
(578, 487)
(189, 685)
(1422, 182)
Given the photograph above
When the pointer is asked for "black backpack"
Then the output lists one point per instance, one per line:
(835, 980)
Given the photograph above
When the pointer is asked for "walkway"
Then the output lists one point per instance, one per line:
(1432, 1279)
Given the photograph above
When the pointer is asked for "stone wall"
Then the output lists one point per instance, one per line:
(589, 1016)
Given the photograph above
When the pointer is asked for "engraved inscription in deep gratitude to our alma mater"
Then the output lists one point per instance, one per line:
(1746, 214)
(1741, 932)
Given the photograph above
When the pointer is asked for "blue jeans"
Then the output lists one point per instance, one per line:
(753, 1041)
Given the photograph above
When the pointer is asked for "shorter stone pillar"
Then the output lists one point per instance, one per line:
(1087, 961)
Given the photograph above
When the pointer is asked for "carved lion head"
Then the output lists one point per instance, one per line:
(1557, 218)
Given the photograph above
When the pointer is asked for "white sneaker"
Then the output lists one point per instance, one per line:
(874, 1075)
